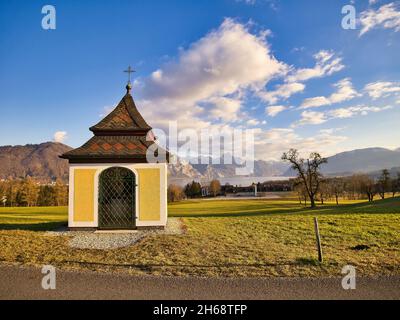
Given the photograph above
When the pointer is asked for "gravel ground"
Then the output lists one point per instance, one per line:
(109, 240)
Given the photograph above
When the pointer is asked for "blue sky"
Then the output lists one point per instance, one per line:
(284, 68)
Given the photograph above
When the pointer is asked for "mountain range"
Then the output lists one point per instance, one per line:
(41, 161)
(359, 161)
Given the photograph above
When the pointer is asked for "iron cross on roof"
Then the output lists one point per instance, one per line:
(129, 71)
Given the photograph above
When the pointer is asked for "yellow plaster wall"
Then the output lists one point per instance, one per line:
(83, 195)
(149, 194)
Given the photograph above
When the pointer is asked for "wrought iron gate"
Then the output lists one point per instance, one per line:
(117, 199)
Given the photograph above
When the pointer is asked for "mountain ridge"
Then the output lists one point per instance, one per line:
(41, 161)
(359, 161)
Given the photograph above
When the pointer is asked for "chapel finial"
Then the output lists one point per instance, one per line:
(128, 88)
(129, 85)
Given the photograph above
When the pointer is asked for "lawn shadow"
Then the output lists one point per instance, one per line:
(43, 226)
(151, 266)
(391, 205)
(308, 261)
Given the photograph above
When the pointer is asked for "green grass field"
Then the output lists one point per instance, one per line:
(225, 238)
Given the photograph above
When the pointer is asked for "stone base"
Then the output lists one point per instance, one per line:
(82, 229)
(151, 228)
(111, 230)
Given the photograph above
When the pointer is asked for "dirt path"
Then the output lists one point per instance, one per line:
(25, 283)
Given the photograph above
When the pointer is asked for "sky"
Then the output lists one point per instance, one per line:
(285, 68)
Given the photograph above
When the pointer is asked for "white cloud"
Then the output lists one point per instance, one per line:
(330, 131)
(327, 63)
(315, 102)
(283, 91)
(273, 111)
(225, 109)
(253, 122)
(60, 136)
(314, 118)
(354, 111)
(345, 92)
(387, 17)
(227, 63)
(311, 117)
(380, 89)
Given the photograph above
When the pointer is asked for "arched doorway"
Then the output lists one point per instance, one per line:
(116, 204)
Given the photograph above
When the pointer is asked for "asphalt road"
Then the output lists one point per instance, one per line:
(25, 283)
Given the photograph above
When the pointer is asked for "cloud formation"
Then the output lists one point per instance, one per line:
(215, 73)
(350, 112)
(283, 91)
(270, 144)
(387, 17)
(345, 92)
(209, 81)
(208, 85)
(313, 117)
(225, 109)
(60, 136)
(327, 63)
(381, 89)
(273, 111)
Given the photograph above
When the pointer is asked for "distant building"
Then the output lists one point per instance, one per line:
(205, 191)
(238, 191)
(256, 190)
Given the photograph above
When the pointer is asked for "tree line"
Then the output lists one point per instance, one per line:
(28, 192)
(192, 190)
(312, 186)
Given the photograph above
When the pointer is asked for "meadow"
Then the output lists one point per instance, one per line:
(228, 238)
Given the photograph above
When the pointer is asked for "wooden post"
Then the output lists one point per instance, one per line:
(320, 258)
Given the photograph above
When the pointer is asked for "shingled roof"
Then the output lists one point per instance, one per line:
(122, 136)
(125, 117)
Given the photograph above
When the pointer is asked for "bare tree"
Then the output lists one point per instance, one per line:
(324, 190)
(395, 185)
(298, 186)
(308, 170)
(367, 186)
(384, 182)
(337, 186)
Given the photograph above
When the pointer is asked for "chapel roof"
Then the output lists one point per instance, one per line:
(122, 136)
(111, 147)
(125, 117)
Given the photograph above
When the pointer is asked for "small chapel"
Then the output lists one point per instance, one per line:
(112, 185)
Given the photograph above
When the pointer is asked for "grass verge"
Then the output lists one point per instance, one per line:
(252, 238)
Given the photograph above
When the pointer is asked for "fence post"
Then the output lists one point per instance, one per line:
(316, 227)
